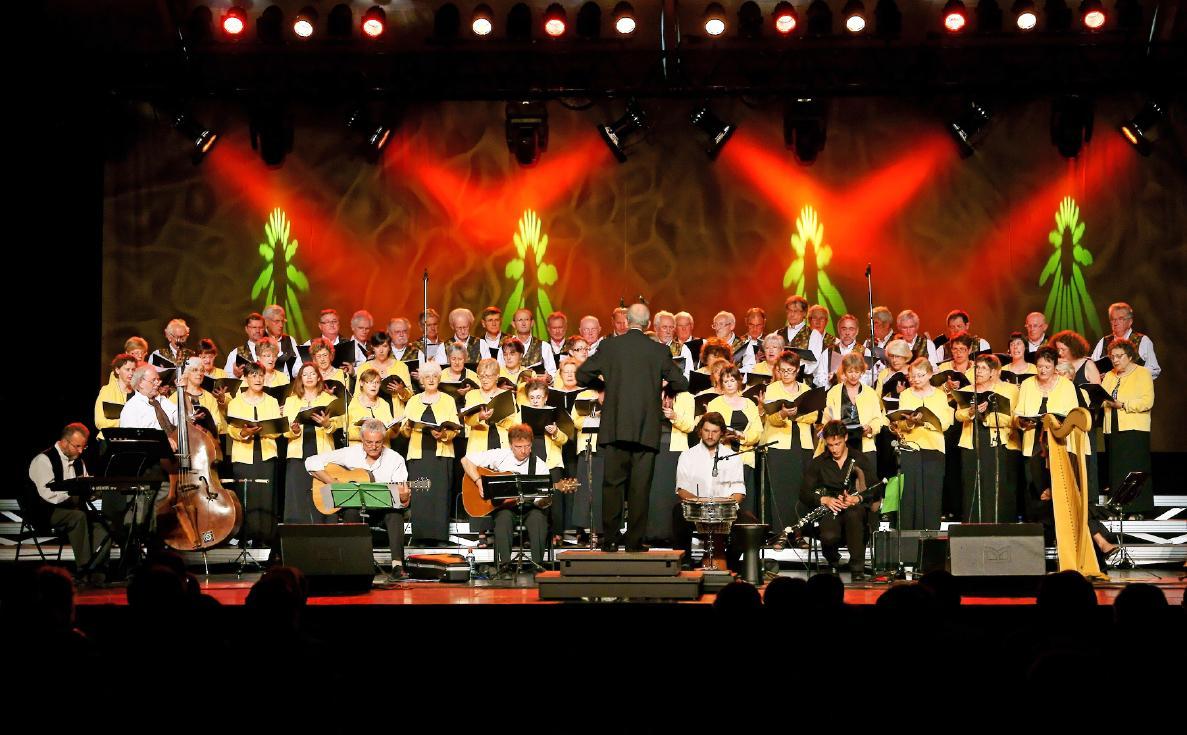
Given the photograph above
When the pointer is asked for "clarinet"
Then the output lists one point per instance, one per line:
(818, 513)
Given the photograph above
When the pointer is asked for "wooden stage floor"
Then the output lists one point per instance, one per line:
(229, 590)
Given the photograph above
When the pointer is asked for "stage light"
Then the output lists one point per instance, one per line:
(820, 19)
(200, 137)
(271, 131)
(615, 134)
(1137, 130)
(786, 19)
(306, 20)
(1059, 17)
(589, 21)
(989, 17)
(888, 19)
(1025, 18)
(1071, 124)
(718, 131)
(805, 128)
(482, 22)
(270, 25)
(955, 16)
(624, 19)
(555, 20)
(340, 22)
(234, 21)
(527, 131)
(447, 22)
(373, 135)
(854, 14)
(374, 21)
(714, 19)
(199, 25)
(1092, 15)
(519, 22)
(969, 127)
(749, 20)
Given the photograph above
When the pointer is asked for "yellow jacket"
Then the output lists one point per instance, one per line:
(925, 436)
(358, 411)
(753, 431)
(478, 432)
(1136, 391)
(683, 421)
(1001, 424)
(210, 403)
(238, 407)
(1062, 399)
(110, 393)
(869, 412)
(293, 405)
(444, 409)
(780, 430)
(579, 422)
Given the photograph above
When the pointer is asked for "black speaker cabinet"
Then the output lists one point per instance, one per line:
(997, 549)
(925, 551)
(335, 558)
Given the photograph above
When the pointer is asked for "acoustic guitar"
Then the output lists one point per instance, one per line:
(323, 499)
(478, 506)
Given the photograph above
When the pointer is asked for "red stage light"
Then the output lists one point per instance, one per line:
(374, 21)
(554, 20)
(235, 21)
(786, 18)
(1092, 14)
(955, 16)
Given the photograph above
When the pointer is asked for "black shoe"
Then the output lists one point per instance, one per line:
(858, 576)
(608, 546)
(640, 549)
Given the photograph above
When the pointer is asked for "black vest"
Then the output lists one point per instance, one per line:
(38, 506)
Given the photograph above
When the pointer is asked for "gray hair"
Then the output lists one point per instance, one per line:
(684, 315)
(140, 374)
(728, 315)
(193, 362)
(374, 425)
(457, 348)
(661, 314)
(273, 311)
(430, 368)
(638, 315)
(907, 315)
(392, 322)
(773, 338)
(469, 315)
(361, 316)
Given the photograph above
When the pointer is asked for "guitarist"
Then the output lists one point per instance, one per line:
(384, 465)
(833, 479)
(516, 458)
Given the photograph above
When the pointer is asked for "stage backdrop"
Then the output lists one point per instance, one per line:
(1013, 229)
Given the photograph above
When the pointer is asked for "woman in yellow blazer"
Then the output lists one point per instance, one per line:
(117, 390)
(481, 435)
(430, 455)
(677, 422)
(1127, 420)
(203, 403)
(1016, 349)
(744, 422)
(367, 404)
(306, 440)
(792, 433)
(923, 444)
(856, 405)
(385, 365)
(590, 467)
(253, 456)
(772, 350)
(1046, 392)
(996, 500)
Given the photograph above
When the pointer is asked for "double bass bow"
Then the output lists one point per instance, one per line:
(198, 513)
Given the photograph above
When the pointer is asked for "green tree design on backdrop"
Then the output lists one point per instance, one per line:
(530, 273)
(807, 243)
(280, 280)
(1069, 306)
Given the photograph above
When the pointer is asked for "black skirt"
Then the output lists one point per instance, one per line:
(997, 501)
(923, 490)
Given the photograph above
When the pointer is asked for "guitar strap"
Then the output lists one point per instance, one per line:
(532, 464)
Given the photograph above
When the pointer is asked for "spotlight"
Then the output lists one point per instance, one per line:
(303, 25)
(854, 14)
(888, 19)
(527, 131)
(1092, 15)
(714, 19)
(616, 133)
(270, 25)
(1024, 15)
(482, 22)
(805, 128)
(820, 18)
(589, 21)
(555, 20)
(1071, 124)
(234, 21)
(624, 19)
(447, 22)
(955, 16)
(786, 19)
(374, 21)
(718, 130)
(374, 136)
(340, 22)
(749, 20)
(200, 137)
(1137, 130)
(271, 131)
(519, 22)
(969, 127)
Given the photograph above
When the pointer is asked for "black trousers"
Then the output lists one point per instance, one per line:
(534, 520)
(683, 532)
(850, 525)
(628, 469)
(85, 535)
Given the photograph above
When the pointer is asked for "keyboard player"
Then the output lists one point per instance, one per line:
(54, 508)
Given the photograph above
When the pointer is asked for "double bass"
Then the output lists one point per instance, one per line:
(198, 513)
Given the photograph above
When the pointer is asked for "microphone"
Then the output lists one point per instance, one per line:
(868, 270)
(716, 458)
(902, 446)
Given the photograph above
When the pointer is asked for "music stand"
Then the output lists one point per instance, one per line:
(520, 492)
(1118, 497)
(589, 428)
(134, 453)
(245, 559)
(363, 495)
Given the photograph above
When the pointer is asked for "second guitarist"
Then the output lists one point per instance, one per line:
(828, 480)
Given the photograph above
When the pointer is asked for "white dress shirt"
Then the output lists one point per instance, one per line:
(41, 472)
(749, 358)
(503, 460)
(686, 354)
(388, 469)
(138, 413)
(229, 368)
(694, 473)
(549, 352)
(485, 346)
(1145, 351)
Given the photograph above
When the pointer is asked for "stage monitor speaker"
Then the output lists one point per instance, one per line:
(924, 551)
(997, 549)
(335, 558)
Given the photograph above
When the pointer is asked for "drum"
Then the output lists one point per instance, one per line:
(711, 515)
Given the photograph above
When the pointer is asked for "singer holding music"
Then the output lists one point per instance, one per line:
(836, 480)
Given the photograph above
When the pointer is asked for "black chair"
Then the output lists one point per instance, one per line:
(34, 525)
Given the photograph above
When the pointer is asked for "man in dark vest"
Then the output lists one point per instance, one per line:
(54, 508)
(634, 368)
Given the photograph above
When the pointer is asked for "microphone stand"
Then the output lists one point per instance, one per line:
(873, 342)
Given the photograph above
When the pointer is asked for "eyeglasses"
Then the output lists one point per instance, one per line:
(1118, 356)
(579, 349)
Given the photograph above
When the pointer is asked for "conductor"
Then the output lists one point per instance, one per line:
(635, 369)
